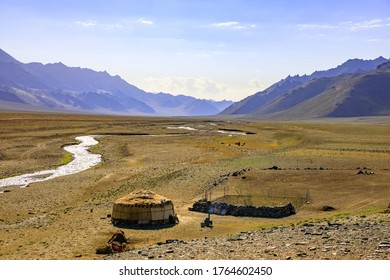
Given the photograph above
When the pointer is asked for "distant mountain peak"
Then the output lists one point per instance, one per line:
(5, 57)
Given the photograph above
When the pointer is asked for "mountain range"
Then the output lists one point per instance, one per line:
(354, 88)
(57, 87)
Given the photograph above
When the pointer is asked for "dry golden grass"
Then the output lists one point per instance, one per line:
(66, 218)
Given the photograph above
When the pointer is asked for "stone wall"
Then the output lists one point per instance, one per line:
(221, 208)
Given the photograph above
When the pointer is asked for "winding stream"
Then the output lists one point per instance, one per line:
(83, 160)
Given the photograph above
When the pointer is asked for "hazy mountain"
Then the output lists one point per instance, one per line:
(58, 86)
(182, 105)
(362, 94)
(254, 104)
(5, 57)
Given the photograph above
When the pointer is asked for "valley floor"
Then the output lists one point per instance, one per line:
(317, 165)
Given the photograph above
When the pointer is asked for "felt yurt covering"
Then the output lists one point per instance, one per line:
(142, 207)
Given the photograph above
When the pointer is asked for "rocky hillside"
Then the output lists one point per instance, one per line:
(366, 94)
(289, 93)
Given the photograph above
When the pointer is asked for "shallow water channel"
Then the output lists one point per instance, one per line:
(82, 160)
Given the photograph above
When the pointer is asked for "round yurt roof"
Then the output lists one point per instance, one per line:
(143, 198)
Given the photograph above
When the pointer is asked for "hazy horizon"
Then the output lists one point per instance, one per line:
(206, 49)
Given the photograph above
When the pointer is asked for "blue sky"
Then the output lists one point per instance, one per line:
(207, 49)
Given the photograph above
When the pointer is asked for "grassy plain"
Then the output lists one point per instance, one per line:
(66, 218)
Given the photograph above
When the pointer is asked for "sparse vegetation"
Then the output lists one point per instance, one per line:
(71, 213)
(66, 158)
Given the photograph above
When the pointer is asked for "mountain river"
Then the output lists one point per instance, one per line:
(82, 160)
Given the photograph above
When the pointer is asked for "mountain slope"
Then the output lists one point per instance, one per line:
(5, 57)
(364, 94)
(252, 103)
(57, 86)
(259, 100)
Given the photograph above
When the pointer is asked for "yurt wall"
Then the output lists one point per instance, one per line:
(162, 213)
(142, 207)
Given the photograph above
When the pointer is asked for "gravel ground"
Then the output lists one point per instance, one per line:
(353, 238)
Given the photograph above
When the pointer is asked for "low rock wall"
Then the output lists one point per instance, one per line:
(221, 208)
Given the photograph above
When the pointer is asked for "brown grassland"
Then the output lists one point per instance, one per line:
(66, 218)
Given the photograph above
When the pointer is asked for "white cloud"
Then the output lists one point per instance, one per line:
(226, 24)
(374, 40)
(198, 87)
(144, 21)
(100, 26)
(382, 41)
(348, 25)
(111, 26)
(235, 25)
(375, 23)
(86, 24)
(316, 26)
(256, 85)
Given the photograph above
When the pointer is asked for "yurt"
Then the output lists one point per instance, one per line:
(143, 207)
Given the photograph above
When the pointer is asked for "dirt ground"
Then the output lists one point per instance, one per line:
(68, 217)
(349, 238)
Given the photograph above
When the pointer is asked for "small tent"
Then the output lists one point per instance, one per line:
(143, 207)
